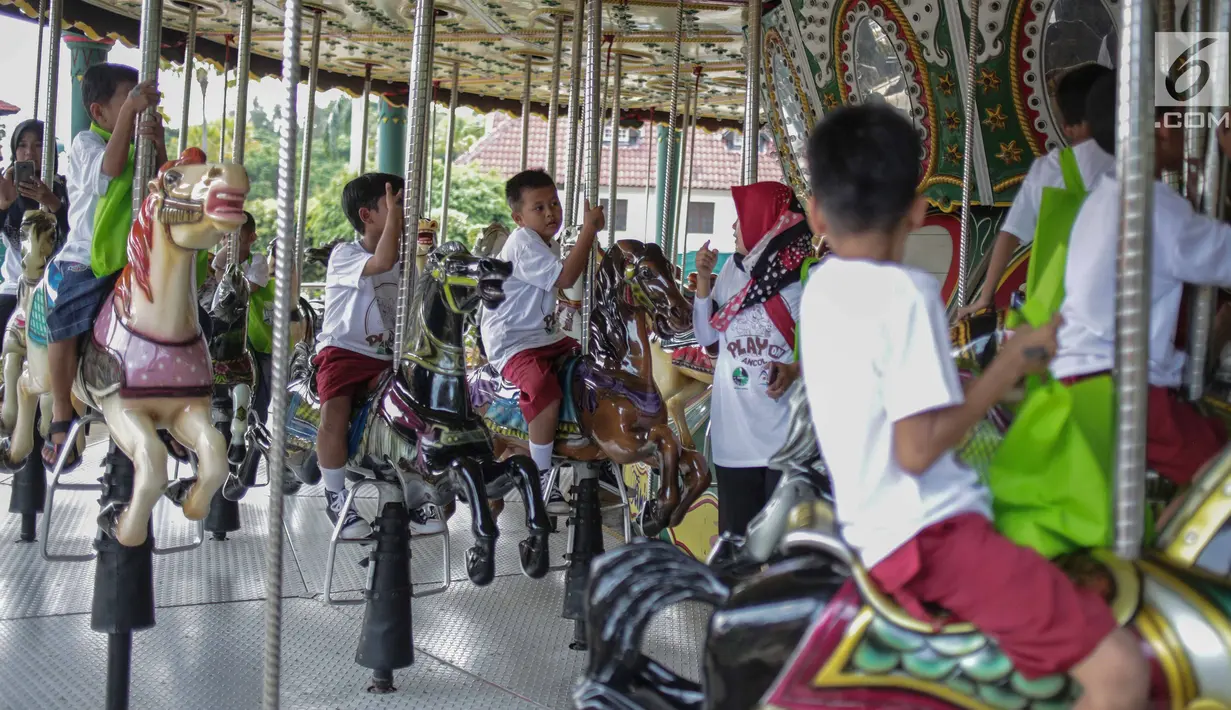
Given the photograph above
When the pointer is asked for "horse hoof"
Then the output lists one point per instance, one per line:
(109, 518)
(534, 556)
(179, 489)
(481, 563)
(234, 489)
(291, 485)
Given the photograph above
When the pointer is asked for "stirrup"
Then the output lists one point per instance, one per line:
(73, 458)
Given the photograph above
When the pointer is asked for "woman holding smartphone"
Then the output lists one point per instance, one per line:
(21, 190)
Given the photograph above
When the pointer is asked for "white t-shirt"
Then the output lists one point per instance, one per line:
(527, 317)
(747, 427)
(1023, 217)
(360, 311)
(1188, 248)
(10, 270)
(875, 350)
(86, 185)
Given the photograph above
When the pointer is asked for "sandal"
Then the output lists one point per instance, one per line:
(51, 451)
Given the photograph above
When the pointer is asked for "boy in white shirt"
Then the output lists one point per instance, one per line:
(1189, 247)
(1092, 161)
(888, 410)
(355, 346)
(520, 335)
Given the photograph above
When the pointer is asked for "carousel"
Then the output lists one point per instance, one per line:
(193, 519)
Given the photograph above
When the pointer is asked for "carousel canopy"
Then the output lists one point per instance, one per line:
(8, 109)
(489, 39)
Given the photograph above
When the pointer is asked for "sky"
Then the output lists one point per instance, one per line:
(17, 61)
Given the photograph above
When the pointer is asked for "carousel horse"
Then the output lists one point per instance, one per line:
(813, 630)
(416, 429)
(38, 243)
(612, 409)
(146, 365)
(235, 371)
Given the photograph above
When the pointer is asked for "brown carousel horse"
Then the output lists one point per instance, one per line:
(612, 409)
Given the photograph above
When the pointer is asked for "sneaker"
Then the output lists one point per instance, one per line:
(426, 520)
(354, 527)
(556, 503)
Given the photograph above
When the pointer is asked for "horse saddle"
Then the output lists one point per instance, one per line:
(488, 388)
(303, 412)
(889, 647)
(117, 357)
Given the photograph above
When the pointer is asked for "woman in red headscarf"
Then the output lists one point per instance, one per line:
(752, 321)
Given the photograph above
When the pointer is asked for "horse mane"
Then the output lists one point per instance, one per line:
(141, 237)
(321, 254)
(608, 309)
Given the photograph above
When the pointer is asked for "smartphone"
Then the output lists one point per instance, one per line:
(23, 171)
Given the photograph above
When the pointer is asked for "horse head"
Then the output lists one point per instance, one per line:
(650, 288)
(464, 279)
(229, 306)
(38, 242)
(199, 201)
(492, 240)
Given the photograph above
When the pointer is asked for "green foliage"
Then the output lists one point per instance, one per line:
(476, 196)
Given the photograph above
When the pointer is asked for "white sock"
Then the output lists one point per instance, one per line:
(335, 479)
(541, 453)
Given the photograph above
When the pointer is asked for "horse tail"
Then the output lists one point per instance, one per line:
(627, 587)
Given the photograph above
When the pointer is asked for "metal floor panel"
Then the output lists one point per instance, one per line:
(500, 646)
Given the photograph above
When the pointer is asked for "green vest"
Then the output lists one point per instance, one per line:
(260, 331)
(113, 218)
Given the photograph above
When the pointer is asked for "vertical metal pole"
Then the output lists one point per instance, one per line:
(222, 129)
(285, 277)
(553, 106)
(151, 40)
(420, 89)
(53, 73)
(968, 155)
(614, 172)
(449, 132)
(1135, 173)
(692, 157)
(1201, 192)
(572, 181)
(594, 145)
(305, 170)
(363, 130)
(190, 49)
(678, 194)
(665, 233)
(429, 146)
(752, 96)
(525, 112)
(243, 65)
(648, 140)
(38, 61)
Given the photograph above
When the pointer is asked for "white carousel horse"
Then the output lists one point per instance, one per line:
(146, 365)
(38, 243)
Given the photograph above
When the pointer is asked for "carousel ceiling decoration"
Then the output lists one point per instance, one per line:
(488, 39)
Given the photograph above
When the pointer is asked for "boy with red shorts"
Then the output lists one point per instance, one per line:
(356, 343)
(888, 409)
(1189, 247)
(520, 335)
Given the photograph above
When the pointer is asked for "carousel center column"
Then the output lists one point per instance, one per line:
(84, 53)
(390, 138)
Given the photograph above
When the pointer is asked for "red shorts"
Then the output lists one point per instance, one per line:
(1179, 438)
(1037, 616)
(534, 373)
(342, 372)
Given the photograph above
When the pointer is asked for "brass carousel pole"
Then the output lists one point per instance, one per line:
(455, 73)
(305, 168)
(649, 169)
(971, 119)
(752, 96)
(285, 269)
(363, 129)
(689, 109)
(527, 73)
(190, 48)
(666, 235)
(1203, 186)
(692, 158)
(239, 136)
(553, 106)
(1135, 174)
(571, 178)
(38, 58)
(614, 169)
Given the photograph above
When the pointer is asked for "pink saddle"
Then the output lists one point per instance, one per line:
(149, 368)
